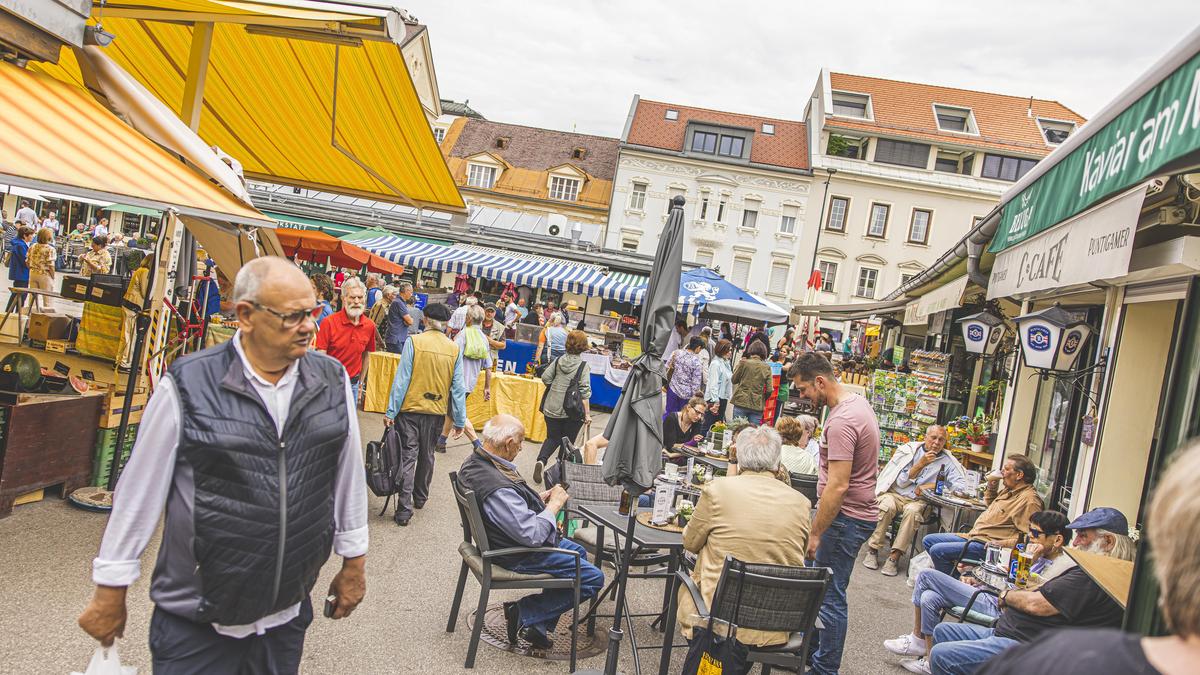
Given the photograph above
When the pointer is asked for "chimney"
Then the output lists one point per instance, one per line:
(1029, 112)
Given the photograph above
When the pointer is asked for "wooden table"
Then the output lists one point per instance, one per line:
(511, 394)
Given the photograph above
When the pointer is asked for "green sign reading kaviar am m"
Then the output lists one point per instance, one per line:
(1163, 125)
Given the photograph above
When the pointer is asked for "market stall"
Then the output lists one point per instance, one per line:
(515, 395)
(318, 247)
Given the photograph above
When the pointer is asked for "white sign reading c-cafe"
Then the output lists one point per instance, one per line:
(1094, 245)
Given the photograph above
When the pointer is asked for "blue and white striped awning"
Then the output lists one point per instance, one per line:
(522, 268)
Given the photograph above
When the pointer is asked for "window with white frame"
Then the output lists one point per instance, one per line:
(750, 214)
(629, 245)
(564, 189)
(704, 258)
(777, 281)
(918, 229)
(439, 134)
(952, 118)
(846, 104)
(741, 272)
(481, 176)
(721, 210)
(1054, 131)
(787, 221)
(877, 223)
(867, 278)
(828, 276)
(637, 197)
(838, 208)
(768, 128)
(703, 208)
(905, 278)
(903, 153)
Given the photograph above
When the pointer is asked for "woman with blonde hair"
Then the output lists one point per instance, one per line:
(796, 454)
(41, 267)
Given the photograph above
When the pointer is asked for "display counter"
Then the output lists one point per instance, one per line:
(46, 440)
(606, 380)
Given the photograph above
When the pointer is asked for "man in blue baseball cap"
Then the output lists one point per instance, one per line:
(1103, 530)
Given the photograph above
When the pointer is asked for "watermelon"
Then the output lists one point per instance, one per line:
(79, 384)
(25, 366)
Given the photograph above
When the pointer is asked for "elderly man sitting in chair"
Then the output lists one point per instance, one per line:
(913, 469)
(515, 515)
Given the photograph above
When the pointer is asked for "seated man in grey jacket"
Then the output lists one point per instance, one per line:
(515, 515)
(914, 468)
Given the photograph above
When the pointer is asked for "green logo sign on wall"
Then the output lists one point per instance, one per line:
(1163, 125)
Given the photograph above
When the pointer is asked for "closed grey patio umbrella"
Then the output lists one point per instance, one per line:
(635, 429)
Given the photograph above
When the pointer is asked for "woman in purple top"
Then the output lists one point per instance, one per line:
(685, 371)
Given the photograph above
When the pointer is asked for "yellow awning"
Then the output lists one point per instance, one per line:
(58, 138)
(268, 97)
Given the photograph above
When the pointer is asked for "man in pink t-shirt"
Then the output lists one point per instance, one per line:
(846, 511)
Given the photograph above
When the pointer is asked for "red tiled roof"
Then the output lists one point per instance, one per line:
(787, 147)
(906, 109)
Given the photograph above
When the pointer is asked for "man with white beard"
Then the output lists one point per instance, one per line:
(1069, 600)
(349, 336)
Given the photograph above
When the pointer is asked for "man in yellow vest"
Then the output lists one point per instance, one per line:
(428, 387)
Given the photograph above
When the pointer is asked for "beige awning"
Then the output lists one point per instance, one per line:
(858, 310)
(938, 300)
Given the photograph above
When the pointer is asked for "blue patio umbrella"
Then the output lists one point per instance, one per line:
(702, 291)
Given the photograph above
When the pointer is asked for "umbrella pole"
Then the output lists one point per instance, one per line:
(615, 633)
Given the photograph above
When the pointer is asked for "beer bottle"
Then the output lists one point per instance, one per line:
(1014, 556)
(626, 503)
(940, 486)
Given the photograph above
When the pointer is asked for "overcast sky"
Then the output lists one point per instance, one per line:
(576, 64)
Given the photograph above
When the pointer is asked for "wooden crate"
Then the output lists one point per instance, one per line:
(110, 410)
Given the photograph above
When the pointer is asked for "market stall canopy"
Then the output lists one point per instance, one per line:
(520, 269)
(275, 74)
(315, 246)
(61, 140)
(853, 311)
(703, 291)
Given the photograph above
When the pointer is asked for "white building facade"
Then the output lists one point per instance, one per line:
(910, 168)
(746, 184)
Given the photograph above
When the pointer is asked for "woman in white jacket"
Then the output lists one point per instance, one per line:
(720, 383)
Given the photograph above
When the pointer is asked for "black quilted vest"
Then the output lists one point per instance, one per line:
(263, 506)
(483, 478)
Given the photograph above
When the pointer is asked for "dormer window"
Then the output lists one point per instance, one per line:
(564, 189)
(579, 153)
(502, 142)
(846, 104)
(1054, 131)
(481, 176)
(959, 120)
(672, 115)
(720, 141)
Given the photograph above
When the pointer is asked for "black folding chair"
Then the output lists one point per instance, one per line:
(766, 597)
(805, 484)
(477, 555)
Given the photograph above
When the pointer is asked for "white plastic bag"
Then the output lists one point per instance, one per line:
(919, 562)
(106, 661)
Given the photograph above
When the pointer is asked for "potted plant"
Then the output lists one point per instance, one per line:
(684, 513)
(976, 432)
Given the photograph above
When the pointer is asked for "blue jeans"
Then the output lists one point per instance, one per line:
(838, 550)
(754, 416)
(943, 549)
(541, 610)
(935, 591)
(961, 648)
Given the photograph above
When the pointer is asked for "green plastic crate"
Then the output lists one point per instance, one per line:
(106, 443)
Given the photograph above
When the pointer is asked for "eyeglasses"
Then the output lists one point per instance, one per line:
(1034, 532)
(292, 319)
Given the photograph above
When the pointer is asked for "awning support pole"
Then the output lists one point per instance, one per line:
(197, 74)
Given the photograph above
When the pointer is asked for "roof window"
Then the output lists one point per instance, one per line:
(958, 120)
(672, 114)
(1055, 131)
(846, 104)
(768, 129)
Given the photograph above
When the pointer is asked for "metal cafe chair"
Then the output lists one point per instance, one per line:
(477, 556)
(766, 597)
(805, 484)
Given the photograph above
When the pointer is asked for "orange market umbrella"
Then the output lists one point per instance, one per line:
(316, 246)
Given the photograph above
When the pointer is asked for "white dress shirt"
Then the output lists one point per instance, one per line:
(148, 477)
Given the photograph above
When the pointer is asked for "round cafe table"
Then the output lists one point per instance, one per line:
(957, 505)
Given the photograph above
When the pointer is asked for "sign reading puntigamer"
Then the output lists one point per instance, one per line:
(1095, 245)
(1163, 125)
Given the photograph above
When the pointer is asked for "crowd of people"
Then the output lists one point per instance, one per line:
(228, 599)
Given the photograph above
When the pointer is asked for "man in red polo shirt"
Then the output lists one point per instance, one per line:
(348, 335)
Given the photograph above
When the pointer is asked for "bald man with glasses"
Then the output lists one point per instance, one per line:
(258, 425)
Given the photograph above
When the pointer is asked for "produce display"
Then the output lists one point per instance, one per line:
(907, 403)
